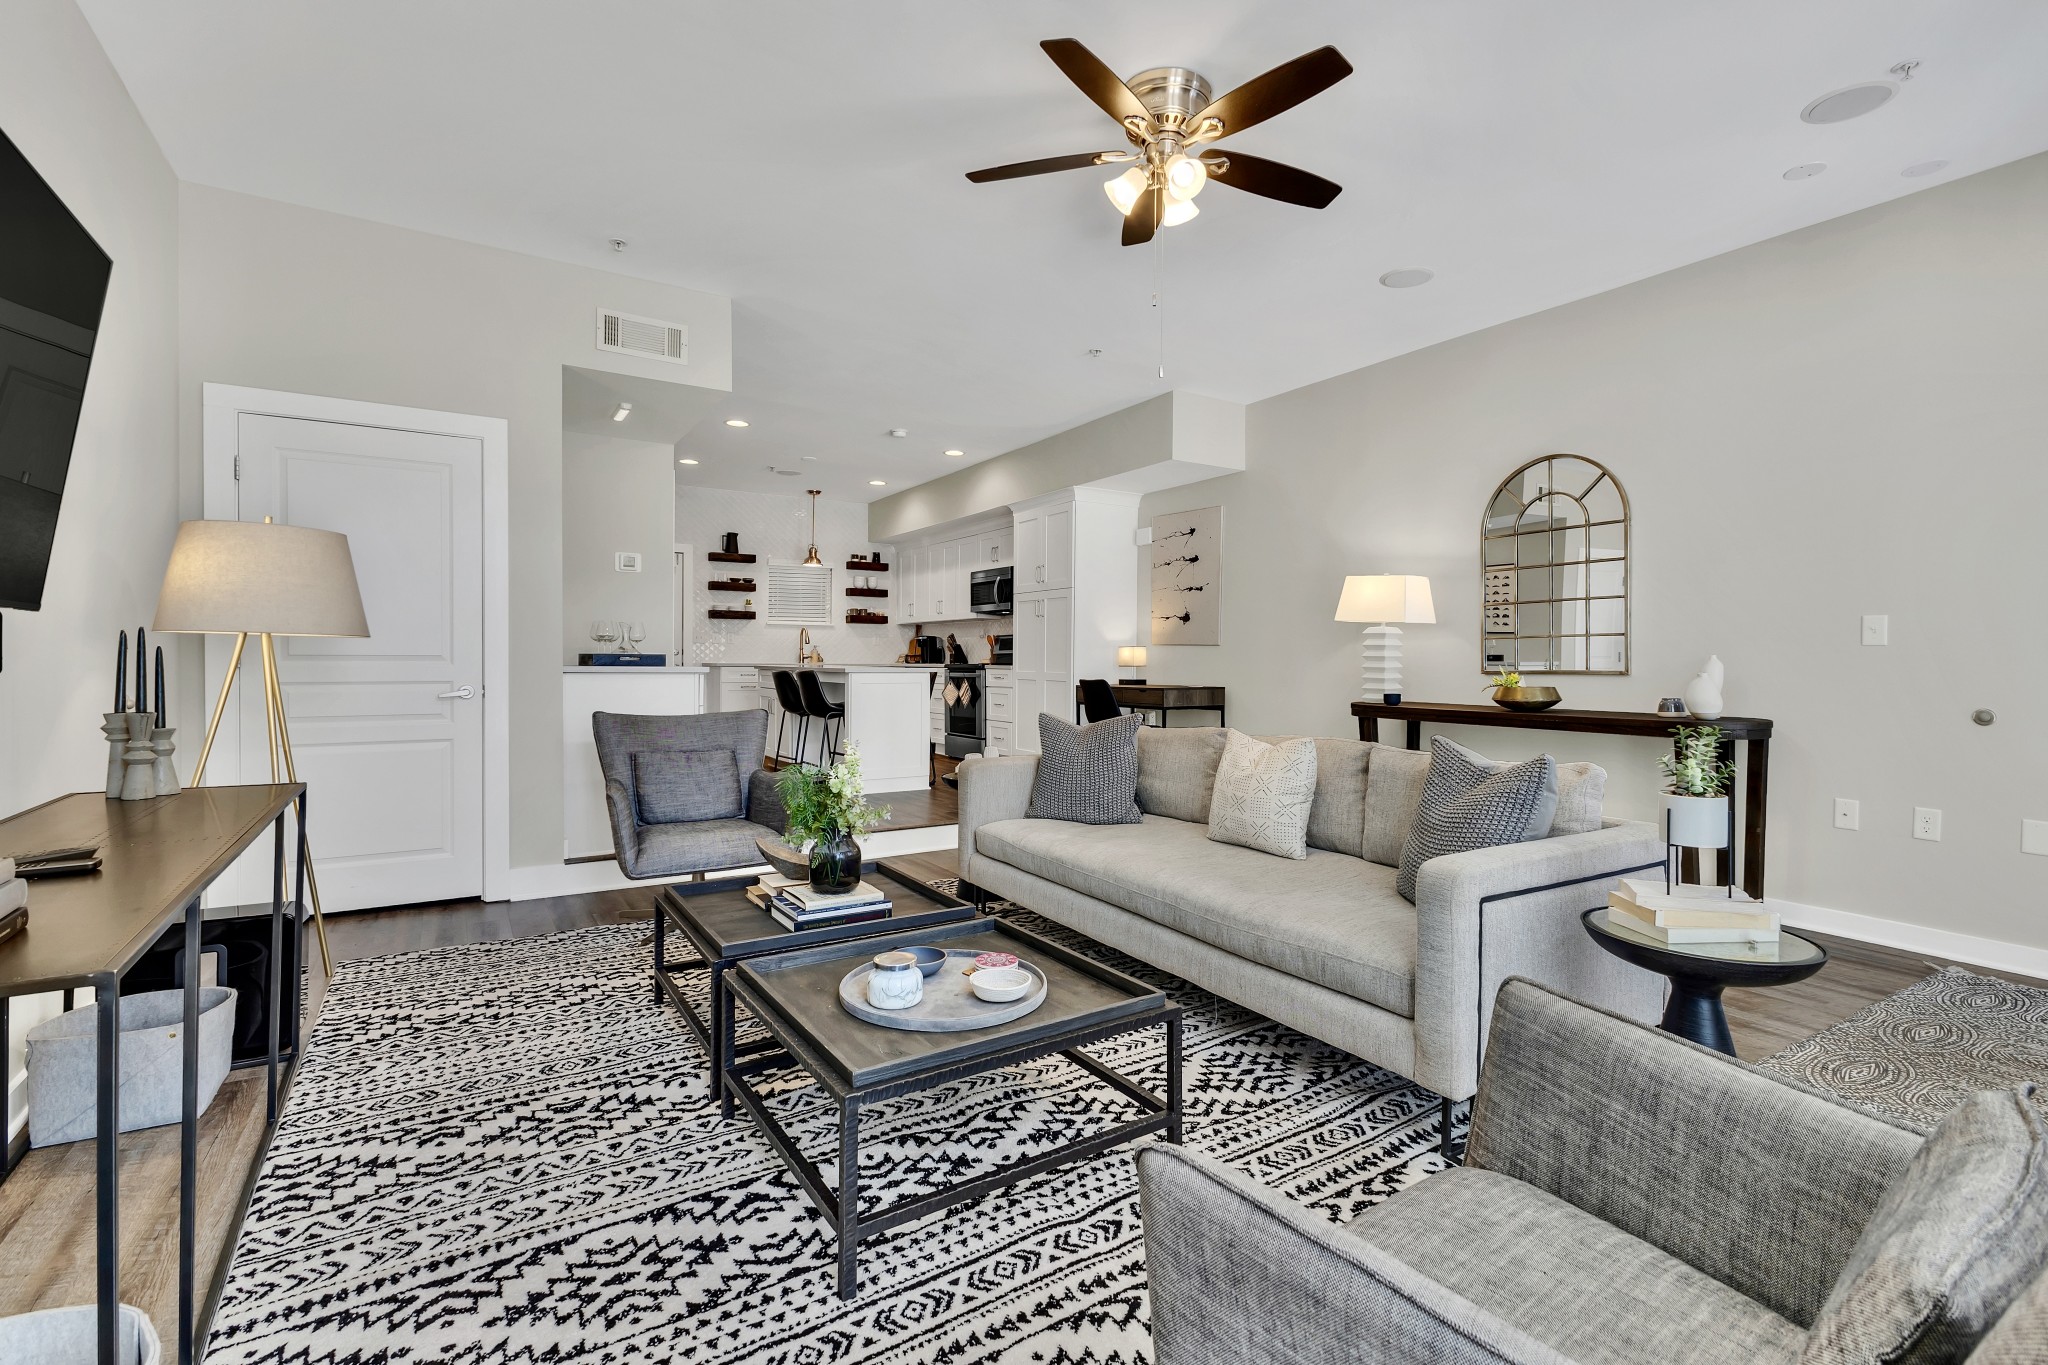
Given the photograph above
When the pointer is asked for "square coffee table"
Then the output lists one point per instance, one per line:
(795, 996)
(726, 928)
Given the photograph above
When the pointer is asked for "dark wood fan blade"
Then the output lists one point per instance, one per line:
(1096, 80)
(1275, 180)
(1279, 90)
(1143, 219)
(1042, 166)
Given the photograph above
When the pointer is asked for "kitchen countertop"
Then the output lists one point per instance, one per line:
(842, 668)
(634, 668)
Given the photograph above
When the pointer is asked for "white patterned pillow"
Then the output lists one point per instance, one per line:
(1263, 795)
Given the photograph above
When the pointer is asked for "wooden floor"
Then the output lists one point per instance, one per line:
(46, 1225)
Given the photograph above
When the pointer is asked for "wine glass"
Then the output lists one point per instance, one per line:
(634, 632)
(604, 632)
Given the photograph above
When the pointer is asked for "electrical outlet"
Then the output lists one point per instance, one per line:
(1848, 814)
(1926, 823)
(1877, 630)
(2034, 837)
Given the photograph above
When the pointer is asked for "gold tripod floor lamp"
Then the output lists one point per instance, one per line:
(245, 578)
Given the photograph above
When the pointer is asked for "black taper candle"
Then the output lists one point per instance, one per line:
(159, 687)
(141, 672)
(121, 675)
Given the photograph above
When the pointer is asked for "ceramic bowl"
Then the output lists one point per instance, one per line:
(929, 960)
(988, 960)
(1000, 985)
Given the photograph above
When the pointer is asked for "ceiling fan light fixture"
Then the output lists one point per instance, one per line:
(1177, 211)
(1123, 191)
(1185, 176)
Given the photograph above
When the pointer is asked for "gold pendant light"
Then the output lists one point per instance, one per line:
(811, 560)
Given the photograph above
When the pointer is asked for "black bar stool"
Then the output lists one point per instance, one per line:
(824, 710)
(790, 698)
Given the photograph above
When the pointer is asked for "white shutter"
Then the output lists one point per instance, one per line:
(799, 595)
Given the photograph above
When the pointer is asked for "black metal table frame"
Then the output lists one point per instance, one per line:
(106, 987)
(841, 1207)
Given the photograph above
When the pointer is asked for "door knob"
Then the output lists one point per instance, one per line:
(459, 694)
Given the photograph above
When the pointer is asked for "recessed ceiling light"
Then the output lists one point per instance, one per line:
(1920, 168)
(736, 421)
(1841, 105)
(625, 411)
(1406, 279)
(877, 483)
(1807, 171)
(956, 452)
(899, 432)
(808, 459)
(686, 461)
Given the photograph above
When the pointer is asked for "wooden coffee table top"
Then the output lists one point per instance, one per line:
(727, 925)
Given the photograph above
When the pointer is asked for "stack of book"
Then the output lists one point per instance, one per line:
(1690, 914)
(13, 901)
(796, 906)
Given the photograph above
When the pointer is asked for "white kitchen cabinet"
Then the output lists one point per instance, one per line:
(1002, 737)
(1043, 677)
(996, 548)
(1058, 569)
(910, 585)
(1029, 545)
(948, 581)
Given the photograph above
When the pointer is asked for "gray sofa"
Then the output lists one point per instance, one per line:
(1324, 944)
(1626, 1196)
(677, 804)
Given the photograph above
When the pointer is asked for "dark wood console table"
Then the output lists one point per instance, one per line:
(1755, 735)
(1161, 697)
(158, 858)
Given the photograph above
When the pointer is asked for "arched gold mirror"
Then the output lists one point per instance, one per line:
(1553, 561)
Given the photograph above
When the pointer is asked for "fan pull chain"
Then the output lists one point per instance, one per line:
(1159, 293)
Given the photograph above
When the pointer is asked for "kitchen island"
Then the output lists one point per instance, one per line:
(888, 714)
(677, 690)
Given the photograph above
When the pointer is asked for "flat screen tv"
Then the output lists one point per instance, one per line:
(53, 281)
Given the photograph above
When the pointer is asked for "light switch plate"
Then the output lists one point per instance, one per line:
(1848, 814)
(627, 561)
(1877, 630)
(2034, 837)
(1926, 823)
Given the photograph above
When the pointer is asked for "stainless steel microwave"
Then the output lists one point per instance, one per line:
(988, 591)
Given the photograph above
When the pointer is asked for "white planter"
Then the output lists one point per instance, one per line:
(71, 1336)
(63, 1062)
(1697, 821)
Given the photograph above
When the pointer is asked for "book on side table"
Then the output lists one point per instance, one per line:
(796, 906)
(1690, 914)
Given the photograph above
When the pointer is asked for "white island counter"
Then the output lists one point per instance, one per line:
(888, 714)
(677, 690)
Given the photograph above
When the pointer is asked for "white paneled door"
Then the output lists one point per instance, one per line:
(388, 731)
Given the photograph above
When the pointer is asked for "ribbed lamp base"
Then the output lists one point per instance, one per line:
(1382, 653)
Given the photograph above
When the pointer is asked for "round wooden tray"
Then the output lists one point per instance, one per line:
(949, 1005)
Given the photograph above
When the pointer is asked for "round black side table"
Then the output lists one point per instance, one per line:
(1699, 972)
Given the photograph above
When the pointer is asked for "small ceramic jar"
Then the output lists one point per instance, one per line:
(896, 983)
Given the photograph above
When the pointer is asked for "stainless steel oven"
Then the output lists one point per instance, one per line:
(966, 703)
(988, 591)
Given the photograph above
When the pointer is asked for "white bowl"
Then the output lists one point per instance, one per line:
(1000, 985)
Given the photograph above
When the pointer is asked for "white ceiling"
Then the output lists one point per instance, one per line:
(806, 159)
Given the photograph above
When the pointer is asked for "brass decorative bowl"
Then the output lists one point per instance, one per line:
(1526, 698)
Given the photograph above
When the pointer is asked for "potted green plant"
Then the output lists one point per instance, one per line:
(1696, 784)
(826, 810)
(1508, 691)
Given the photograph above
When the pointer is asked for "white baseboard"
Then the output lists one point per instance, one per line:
(1917, 938)
(578, 879)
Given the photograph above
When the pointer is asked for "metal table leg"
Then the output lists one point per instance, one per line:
(849, 1196)
(1173, 1109)
(274, 988)
(188, 1135)
(661, 960)
(107, 988)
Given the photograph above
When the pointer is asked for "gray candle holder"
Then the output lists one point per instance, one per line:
(163, 741)
(138, 779)
(116, 731)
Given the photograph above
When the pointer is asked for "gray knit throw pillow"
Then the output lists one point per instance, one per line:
(1465, 806)
(1087, 774)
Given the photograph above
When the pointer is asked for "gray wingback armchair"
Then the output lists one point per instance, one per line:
(1626, 1197)
(686, 793)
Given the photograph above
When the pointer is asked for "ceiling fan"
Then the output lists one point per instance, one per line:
(1169, 118)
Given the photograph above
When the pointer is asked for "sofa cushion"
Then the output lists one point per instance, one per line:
(1337, 819)
(1263, 794)
(678, 786)
(1465, 806)
(1581, 798)
(1393, 789)
(1087, 774)
(1329, 918)
(1177, 770)
(1956, 1240)
(1573, 1282)
(2021, 1336)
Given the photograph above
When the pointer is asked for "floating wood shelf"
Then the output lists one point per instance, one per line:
(866, 618)
(731, 585)
(867, 592)
(719, 557)
(722, 614)
(866, 566)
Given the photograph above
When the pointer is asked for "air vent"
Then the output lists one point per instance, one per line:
(799, 595)
(648, 337)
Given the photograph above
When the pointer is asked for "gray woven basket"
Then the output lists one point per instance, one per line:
(63, 1059)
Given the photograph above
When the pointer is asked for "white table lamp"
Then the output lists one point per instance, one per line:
(1130, 656)
(1384, 600)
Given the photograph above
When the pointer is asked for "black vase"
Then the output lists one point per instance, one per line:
(835, 864)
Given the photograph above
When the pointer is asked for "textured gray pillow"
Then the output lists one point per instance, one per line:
(1465, 805)
(1087, 774)
(1263, 795)
(682, 786)
(1177, 771)
(1955, 1241)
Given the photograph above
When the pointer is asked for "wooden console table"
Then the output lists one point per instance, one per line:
(1755, 735)
(158, 858)
(1161, 697)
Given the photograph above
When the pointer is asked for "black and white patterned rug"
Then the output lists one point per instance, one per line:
(1920, 1053)
(506, 1152)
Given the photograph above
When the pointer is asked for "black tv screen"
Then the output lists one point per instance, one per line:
(53, 281)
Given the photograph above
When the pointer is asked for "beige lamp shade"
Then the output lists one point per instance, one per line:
(1130, 656)
(226, 577)
(1386, 598)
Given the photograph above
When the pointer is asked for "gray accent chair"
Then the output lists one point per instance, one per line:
(1627, 1196)
(649, 842)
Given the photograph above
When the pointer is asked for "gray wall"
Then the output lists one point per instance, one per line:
(617, 495)
(280, 297)
(1848, 419)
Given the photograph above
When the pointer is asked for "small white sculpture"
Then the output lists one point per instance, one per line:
(1703, 693)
